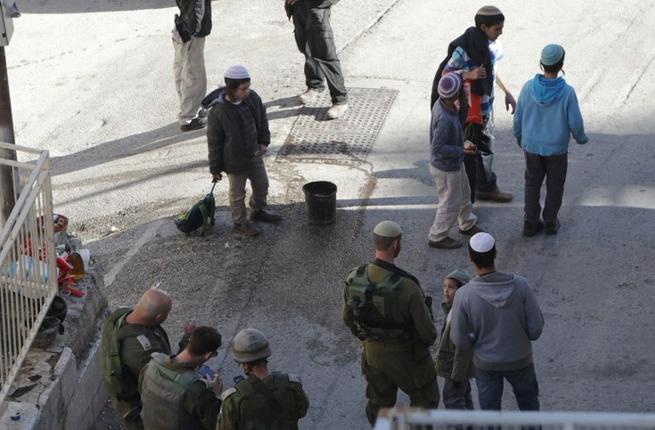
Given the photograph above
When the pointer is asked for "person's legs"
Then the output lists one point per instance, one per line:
(525, 387)
(486, 175)
(467, 396)
(556, 167)
(193, 82)
(324, 53)
(454, 394)
(302, 27)
(178, 66)
(466, 218)
(490, 388)
(471, 167)
(237, 194)
(447, 207)
(534, 177)
(420, 384)
(259, 184)
(380, 390)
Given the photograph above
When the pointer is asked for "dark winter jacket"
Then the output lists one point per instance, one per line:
(452, 362)
(228, 151)
(446, 139)
(196, 16)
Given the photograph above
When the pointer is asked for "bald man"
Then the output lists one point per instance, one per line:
(129, 337)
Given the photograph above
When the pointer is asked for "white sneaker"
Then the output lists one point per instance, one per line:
(337, 111)
(309, 96)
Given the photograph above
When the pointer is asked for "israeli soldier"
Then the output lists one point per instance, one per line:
(174, 394)
(129, 337)
(264, 400)
(385, 308)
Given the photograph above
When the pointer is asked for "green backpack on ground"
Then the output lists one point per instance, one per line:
(199, 215)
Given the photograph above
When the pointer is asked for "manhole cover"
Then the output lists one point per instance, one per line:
(348, 139)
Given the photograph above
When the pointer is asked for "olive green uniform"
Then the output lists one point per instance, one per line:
(136, 343)
(395, 351)
(275, 403)
(176, 396)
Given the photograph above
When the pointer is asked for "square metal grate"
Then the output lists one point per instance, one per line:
(314, 137)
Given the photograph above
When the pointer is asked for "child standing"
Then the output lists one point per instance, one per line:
(453, 364)
(546, 116)
(473, 56)
(447, 168)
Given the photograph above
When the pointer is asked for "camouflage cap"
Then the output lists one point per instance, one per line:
(387, 229)
(462, 276)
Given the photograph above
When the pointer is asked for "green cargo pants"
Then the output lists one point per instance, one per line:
(388, 366)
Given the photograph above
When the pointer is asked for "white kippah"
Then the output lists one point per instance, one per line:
(482, 242)
(237, 72)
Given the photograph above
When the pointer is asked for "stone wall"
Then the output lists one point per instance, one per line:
(60, 387)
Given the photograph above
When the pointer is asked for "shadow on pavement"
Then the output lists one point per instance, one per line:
(123, 147)
(82, 6)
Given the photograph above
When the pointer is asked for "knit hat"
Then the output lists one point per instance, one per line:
(387, 229)
(489, 11)
(552, 54)
(462, 276)
(237, 72)
(449, 85)
(482, 242)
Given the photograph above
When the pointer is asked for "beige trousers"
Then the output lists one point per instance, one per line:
(259, 184)
(190, 76)
(454, 204)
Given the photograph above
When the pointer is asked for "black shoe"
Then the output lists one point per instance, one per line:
(445, 243)
(265, 216)
(471, 231)
(551, 227)
(194, 124)
(532, 228)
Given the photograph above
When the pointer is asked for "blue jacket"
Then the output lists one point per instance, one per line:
(547, 114)
(446, 139)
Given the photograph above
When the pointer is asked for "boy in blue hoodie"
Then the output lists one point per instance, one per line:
(547, 114)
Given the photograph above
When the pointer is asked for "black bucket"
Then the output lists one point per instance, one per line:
(321, 202)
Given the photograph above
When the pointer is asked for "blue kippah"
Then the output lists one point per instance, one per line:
(552, 54)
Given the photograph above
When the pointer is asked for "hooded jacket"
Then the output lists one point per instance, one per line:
(498, 316)
(547, 114)
(476, 45)
(229, 152)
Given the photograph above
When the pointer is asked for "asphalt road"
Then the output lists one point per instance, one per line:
(98, 93)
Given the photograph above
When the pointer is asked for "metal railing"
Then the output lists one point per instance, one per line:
(28, 275)
(416, 419)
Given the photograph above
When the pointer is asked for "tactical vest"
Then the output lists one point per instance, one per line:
(112, 369)
(113, 373)
(374, 307)
(162, 394)
(263, 407)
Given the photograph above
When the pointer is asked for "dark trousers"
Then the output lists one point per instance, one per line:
(523, 381)
(553, 168)
(478, 170)
(457, 394)
(315, 40)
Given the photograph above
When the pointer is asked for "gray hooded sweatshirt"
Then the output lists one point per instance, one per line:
(498, 316)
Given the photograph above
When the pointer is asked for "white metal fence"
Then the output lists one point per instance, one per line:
(414, 419)
(28, 276)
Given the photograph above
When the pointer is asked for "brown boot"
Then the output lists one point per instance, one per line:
(494, 196)
(246, 229)
(445, 243)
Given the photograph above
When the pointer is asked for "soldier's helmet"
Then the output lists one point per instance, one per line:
(250, 345)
